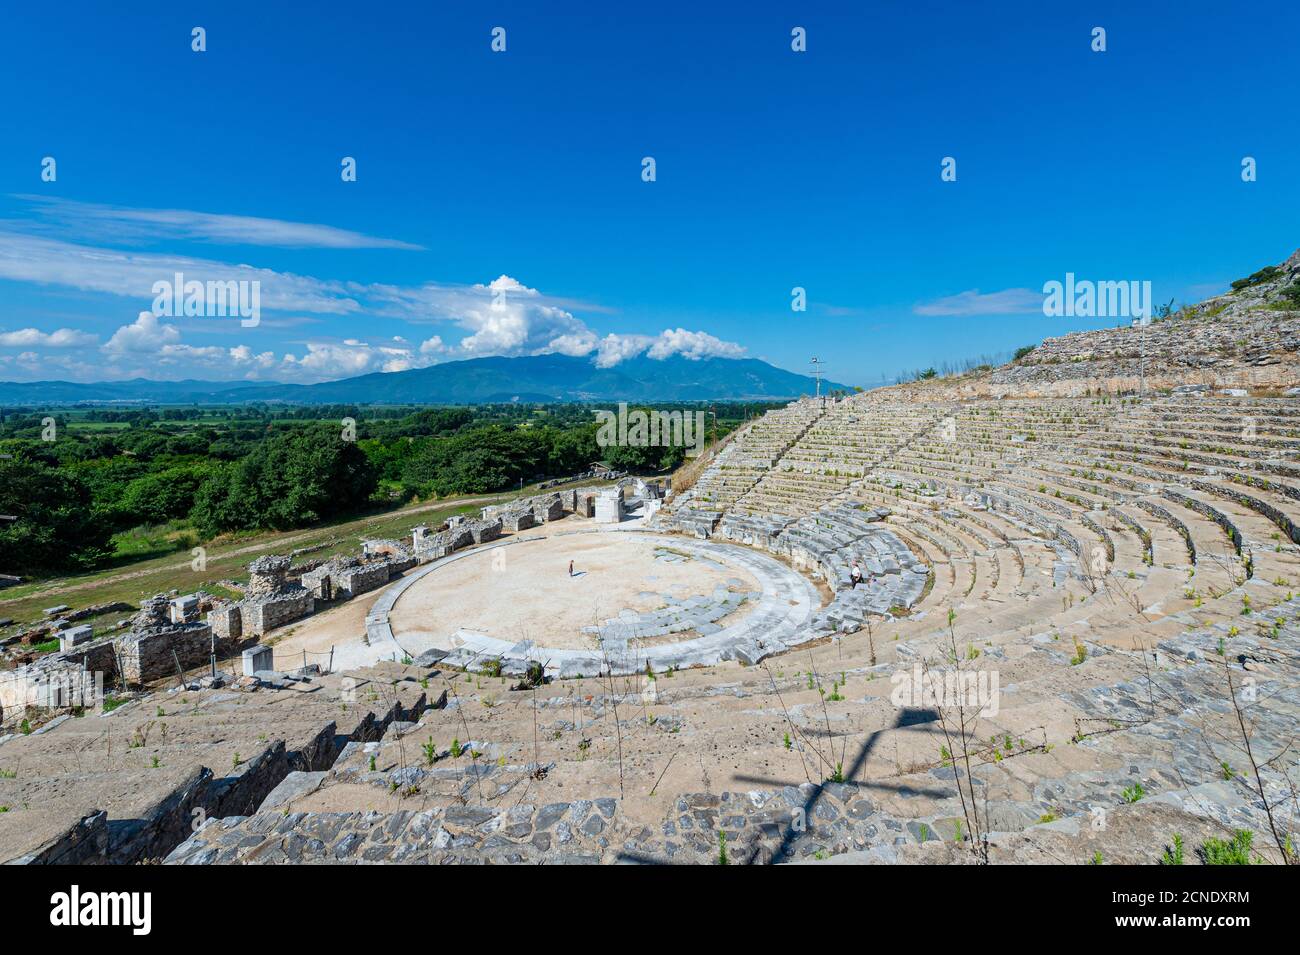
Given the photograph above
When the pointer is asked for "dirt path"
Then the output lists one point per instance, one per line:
(278, 542)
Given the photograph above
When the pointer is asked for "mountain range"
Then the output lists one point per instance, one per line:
(534, 378)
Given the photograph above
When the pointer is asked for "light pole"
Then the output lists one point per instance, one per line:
(817, 373)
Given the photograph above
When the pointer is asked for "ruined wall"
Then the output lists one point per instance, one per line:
(362, 578)
(271, 599)
(515, 521)
(227, 624)
(148, 656)
(549, 508)
(272, 612)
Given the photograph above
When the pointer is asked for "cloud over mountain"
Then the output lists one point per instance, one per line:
(502, 317)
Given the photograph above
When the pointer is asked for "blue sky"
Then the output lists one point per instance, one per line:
(775, 169)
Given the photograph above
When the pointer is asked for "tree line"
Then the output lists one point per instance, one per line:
(73, 494)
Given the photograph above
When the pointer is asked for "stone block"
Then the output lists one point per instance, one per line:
(516, 521)
(184, 609)
(257, 659)
(75, 636)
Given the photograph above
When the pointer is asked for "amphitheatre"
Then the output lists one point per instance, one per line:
(1099, 540)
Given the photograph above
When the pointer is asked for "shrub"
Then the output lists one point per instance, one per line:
(1256, 278)
(1234, 851)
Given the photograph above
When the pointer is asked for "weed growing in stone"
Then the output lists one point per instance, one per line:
(1174, 856)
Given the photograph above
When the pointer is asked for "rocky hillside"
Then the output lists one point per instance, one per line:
(1247, 338)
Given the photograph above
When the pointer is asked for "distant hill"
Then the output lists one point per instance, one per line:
(536, 378)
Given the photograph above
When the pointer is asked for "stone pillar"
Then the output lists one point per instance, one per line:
(609, 506)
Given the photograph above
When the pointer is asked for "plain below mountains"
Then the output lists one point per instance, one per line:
(536, 378)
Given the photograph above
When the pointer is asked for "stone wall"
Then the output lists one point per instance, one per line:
(267, 576)
(271, 599)
(1164, 515)
(264, 615)
(609, 506)
(360, 579)
(515, 521)
(1213, 513)
(148, 655)
(227, 623)
(549, 508)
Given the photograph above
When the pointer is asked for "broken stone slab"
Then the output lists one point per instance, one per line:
(294, 786)
(430, 657)
(273, 678)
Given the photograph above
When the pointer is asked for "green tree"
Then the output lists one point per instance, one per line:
(291, 479)
(57, 529)
(165, 496)
(477, 461)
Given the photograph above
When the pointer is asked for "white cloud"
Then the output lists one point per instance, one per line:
(324, 361)
(1012, 301)
(245, 358)
(693, 345)
(148, 344)
(26, 258)
(146, 335)
(59, 338)
(119, 224)
(618, 348)
(671, 341)
(502, 317)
